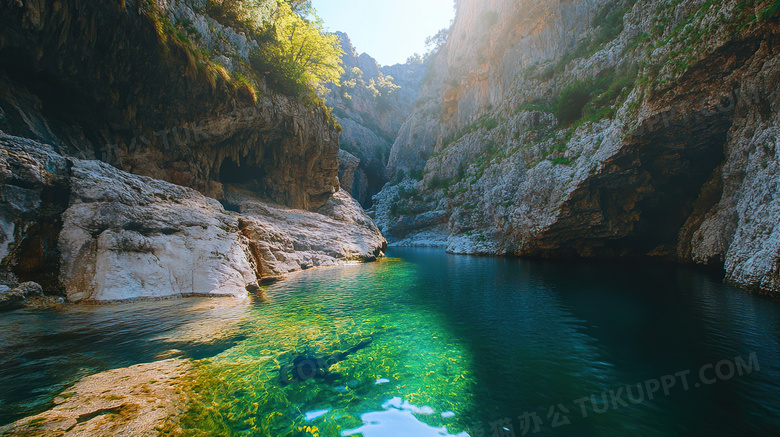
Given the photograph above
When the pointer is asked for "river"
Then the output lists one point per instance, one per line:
(427, 344)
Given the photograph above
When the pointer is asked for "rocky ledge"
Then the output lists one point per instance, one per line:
(136, 400)
(91, 232)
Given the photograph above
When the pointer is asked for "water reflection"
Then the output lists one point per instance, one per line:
(397, 419)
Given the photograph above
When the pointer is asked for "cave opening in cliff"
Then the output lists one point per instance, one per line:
(244, 173)
(677, 177)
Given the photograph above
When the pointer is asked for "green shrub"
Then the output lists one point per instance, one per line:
(770, 11)
(536, 105)
(610, 19)
(491, 147)
(286, 79)
(558, 147)
(571, 101)
(437, 182)
(490, 123)
(461, 170)
(590, 100)
(417, 174)
(398, 210)
(407, 193)
(400, 175)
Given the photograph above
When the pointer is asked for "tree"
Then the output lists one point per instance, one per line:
(415, 59)
(241, 14)
(572, 99)
(382, 88)
(301, 48)
(433, 43)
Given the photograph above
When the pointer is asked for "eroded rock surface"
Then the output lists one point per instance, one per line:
(127, 236)
(666, 147)
(33, 195)
(128, 83)
(133, 401)
(124, 236)
(17, 297)
(284, 240)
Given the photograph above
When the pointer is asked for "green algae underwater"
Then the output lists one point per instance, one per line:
(244, 391)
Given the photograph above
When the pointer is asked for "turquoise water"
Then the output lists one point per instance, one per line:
(425, 343)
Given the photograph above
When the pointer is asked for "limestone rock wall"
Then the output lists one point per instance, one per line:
(34, 193)
(97, 233)
(134, 84)
(371, 113)
(669, 153)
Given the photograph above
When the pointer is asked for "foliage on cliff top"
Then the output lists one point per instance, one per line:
(772, 10)
(295, 54)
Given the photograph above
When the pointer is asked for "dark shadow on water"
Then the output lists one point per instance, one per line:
(542, 333)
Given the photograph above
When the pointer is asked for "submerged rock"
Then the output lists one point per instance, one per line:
(133, 401)
(309, 365)
(13, 298)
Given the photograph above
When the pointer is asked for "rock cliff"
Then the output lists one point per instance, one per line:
(121, 236)
(598, 129)
(371, 105)
(142, 156)
(154, 88)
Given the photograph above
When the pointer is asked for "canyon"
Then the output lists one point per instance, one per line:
(611, 161)
(133, 166)
(597, 130)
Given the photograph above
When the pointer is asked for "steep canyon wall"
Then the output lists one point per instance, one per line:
(217, 181)
(598, 129)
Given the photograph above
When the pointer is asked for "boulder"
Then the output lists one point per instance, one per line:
(15, 298)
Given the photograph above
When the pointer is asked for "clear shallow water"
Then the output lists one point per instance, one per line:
(44, 352)
(432, 344)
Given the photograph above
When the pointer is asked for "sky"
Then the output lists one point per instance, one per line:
(388, 30)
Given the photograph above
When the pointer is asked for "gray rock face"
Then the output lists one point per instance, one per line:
(348, 164)
(371, 104)
(673, 158)
(283, 240)
(34, 192)
(124, 236)
(127, 236)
